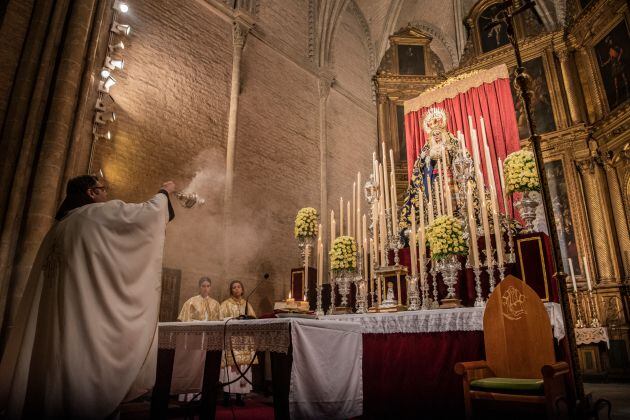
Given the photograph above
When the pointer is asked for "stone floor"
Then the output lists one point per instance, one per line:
(617, 393)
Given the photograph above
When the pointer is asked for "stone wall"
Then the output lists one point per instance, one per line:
(172, 101)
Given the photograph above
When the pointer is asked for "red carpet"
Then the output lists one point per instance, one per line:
(256, 408)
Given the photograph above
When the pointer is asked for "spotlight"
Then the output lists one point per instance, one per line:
(120, 29)
(105, 72)
(121, 6)
(104, 86)
(117, 47)
(101, 103)
(104, 117)
(114, 63)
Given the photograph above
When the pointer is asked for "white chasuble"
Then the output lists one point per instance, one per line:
(85, 336)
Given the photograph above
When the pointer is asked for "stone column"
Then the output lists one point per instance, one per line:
(569, 86)
(324, 83)
(53, 152)
(240, 30)
(599, 217)
(619, 214)
(383, 122)
(21, 92)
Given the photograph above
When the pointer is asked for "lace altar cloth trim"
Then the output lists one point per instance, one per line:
(436, 320)
(262, 335)
(592, 336)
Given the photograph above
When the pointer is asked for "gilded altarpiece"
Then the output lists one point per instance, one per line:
(586, 139)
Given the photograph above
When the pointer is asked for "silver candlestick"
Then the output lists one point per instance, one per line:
(490, 269)
(592, 306)
(424, 287)
(501, 271)
(479, 301)
(414, 295)
(361, 293)
(435, 304)
(511, 256)
(331, 310)
(319, 310)
(579, 322)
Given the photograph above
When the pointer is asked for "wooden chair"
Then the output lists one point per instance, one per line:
(520, 365)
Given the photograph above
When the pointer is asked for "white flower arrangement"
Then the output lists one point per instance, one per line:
(343, 255)
(520, 172)
(445, 237)
(306, 223)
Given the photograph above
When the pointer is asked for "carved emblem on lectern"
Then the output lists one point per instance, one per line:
(513, 304)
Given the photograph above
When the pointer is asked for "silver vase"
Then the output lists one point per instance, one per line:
(526, 207)
(449, 268)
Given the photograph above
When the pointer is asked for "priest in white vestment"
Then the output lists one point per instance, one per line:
(85, 335)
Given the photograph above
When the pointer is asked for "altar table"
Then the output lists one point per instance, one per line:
(407, 358)
(307, 381)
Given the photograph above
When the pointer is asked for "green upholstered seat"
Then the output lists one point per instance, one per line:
(509, 385)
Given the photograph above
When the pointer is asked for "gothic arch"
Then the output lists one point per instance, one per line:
(441, 40)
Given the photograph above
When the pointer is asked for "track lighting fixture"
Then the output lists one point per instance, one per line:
(121, 6)
(104, 117)
(114, 63)
(118, 47)
(106, 84)
(120, 29)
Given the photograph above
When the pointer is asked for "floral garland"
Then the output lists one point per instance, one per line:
(520, 172)
(445, 237)
(306, 223)
(343, 255)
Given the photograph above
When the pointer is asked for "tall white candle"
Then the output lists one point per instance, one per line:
(333, 228)
(572, 275)
(365, 259)
(498, 236)
(348, 223)
(374, 166)
(359, 198)
(588, 274)
(484, 218)
(503, 192)
(489, 168)
(472, 224)
(340, 216)
(391, 161)
(386, 179)
(412, 242)
(394, 206)
(438, 199)
(352, 219)
(430, 201)
(383, 231)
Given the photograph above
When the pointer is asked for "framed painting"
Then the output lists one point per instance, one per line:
(411, 60)
(491, 38)
(541, 100)
(562, 215)
(611, 54)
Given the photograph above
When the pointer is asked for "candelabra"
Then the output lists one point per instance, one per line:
(592, 307)
(361, 291)
(435, 304)
(305, 243)
(507, 225)
(579, 322)
(479, 301)
(331, 310)
(424, 287)
(414, 295)
(319, 310)
(393, 240)
(490, 269)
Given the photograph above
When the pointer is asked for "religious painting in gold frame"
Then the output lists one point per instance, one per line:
(491, 38)
(410, 52)
(614, 69)
(542, 103)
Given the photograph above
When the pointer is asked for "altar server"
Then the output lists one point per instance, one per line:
(201, 307)
(85, 335)
(234, 307)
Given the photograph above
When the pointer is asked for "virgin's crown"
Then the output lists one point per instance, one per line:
(435, 119)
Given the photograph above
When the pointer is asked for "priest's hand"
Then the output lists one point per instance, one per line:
(168, 186)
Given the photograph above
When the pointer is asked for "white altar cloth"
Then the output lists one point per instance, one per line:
(321, 386)
(435, 320)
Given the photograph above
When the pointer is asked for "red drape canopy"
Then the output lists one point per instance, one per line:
(482, 94)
